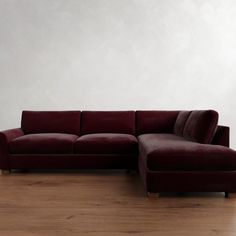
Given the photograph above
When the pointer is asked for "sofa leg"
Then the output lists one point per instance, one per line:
(230, 195)
(153, 195)
(5, 172)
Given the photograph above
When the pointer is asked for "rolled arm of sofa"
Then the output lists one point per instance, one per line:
(5, 137)
(221, 136)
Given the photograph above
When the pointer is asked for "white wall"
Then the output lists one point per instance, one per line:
(117, 55)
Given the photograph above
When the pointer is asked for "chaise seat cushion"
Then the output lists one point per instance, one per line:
(106, 143)
(43, 143)
(169, 152)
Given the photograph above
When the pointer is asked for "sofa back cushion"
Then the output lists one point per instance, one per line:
(180, 122)
(201, 126)
(51, 122)
(108, 122)
(155, 121)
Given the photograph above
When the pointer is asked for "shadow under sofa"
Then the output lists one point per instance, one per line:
(183, 151)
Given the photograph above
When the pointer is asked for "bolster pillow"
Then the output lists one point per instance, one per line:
(198, 126)
(201, 126)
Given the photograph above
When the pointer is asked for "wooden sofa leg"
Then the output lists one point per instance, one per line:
(230, 195)
(5, 172)
(153, 195)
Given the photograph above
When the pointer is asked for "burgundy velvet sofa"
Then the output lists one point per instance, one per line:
(183, 151)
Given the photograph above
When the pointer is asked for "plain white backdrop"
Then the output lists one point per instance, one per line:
(117, 55)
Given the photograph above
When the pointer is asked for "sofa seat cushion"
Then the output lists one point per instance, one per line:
(106, 143)
(44, 143)
(169, 152)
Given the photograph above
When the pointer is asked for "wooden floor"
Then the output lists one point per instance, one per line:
(106, 203)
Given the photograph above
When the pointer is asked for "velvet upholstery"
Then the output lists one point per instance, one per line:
(155, 121)
(106, 143)
(73, 161)
(201, 126)
(180, 122)
(175, 150)
(51, 122)
(168, 152)
(43, 143)
(6, 137)
(188, 181)
(108, 122)
(221, 136)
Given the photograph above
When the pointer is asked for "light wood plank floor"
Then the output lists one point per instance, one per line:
(106, 203)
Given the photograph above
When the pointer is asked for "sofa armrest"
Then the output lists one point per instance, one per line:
(5, 137)
(221, 136)
(10, 134)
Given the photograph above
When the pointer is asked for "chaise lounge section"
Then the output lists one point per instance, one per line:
(183, 151)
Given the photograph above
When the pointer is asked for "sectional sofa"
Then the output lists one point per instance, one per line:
(183, 151)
